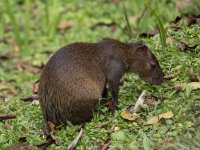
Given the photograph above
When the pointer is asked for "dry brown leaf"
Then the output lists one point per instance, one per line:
(5, 87)
(46, 144)
(106, 144)
(98, 145)
(177, 19)
(192, 85)
(22, 138)
(29, 98)
(9, 115)
(166, 115)
(155, 119)
(126, 114)
(151, 101)
(149, 34)
(181, 4)
(7, 126)
(102, 125)
(6, 54)
(51, 126)
(168, 40)
(64, 25)
(193, 77)
(16, 50)
(35, 87)
(183, 46)
(25, 66)
(19, 146)
(170, 76)
(112, 129)
(175, 26)
(192, 20)
(152, 120)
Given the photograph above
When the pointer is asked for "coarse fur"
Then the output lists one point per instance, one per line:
(74, 78)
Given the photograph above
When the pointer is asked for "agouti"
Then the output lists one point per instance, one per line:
(75, 77)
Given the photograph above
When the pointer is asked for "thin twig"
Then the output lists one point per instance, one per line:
(139, 102)
(75, 141)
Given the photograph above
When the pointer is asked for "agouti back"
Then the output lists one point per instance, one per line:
(74, 78)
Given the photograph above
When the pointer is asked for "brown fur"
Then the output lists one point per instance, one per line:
(74, 78)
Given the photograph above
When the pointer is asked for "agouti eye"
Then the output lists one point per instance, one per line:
(153, 65)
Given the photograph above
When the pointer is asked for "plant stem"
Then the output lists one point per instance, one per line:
(13, 22)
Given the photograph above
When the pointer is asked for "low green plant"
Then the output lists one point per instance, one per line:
(130, 32)
(13, 21)
(27, 25)
(160, 24)
(51, 16)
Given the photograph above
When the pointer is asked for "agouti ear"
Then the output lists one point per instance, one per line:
(141, 43)
(137, 44)
(142, 50)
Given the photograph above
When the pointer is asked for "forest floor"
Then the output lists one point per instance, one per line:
(179, 131)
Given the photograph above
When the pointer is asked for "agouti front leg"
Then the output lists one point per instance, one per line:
(115, 72)
(114, 86)
(105, 92)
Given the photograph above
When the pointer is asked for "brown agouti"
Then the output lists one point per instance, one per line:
(75, 77)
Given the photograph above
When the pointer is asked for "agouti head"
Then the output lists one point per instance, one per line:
(145, 64)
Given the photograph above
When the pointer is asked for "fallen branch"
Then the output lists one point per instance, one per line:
(75, 141)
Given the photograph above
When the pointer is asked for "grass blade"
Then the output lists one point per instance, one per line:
(146, 143)
(127, 22)
(27, 25)
(160, 24)
(13, 22)
(54, 18)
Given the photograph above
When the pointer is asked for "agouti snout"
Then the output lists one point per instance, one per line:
(75, 77)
